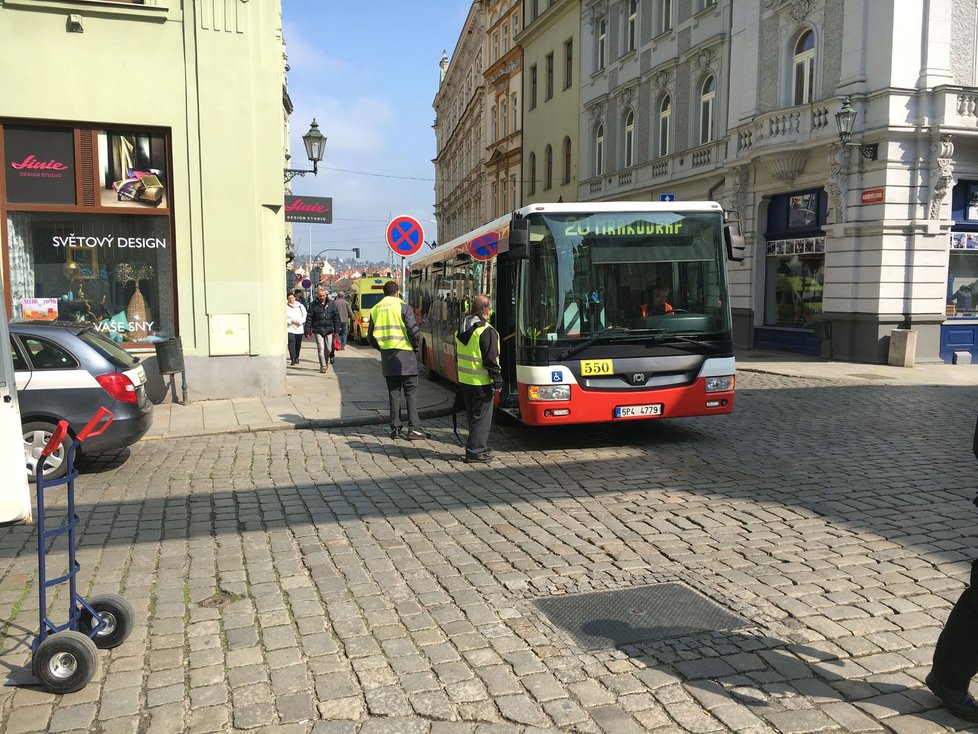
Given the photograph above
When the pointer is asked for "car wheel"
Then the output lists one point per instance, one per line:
(36, 436)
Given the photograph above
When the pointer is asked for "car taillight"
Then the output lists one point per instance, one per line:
(118, 386)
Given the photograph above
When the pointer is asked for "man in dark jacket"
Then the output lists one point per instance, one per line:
(394, 331)
(956, 655)
(323, 321)
(479, 376)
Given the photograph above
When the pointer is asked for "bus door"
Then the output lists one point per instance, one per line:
(505, 280)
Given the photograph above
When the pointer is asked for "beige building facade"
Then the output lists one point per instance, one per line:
(551, 43)
(142, 188)
(504, 98)
(462, 130)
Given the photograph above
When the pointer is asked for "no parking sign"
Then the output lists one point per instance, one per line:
(405, 235)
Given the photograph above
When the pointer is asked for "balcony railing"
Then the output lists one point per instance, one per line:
(794, 125)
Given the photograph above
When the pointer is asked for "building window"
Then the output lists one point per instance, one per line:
(495, 199)
(568, 63)
(532, 181)
(631, 25)
(504, 116)
(516, 25)
(548, 174)
(505, 38)
(629, 138)
(708, 94)
(602, 46)
(495, 47)
(512, 192)
(665, 16)
(550, 76)
(665, 114)
(504, 194)
(599, 150)
(534, 9)
(494, 135)
(516, 119)
(566, 178)
(533, 86)
(803, 64)
(702, 5)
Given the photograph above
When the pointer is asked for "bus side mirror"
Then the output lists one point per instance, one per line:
(519, 239)
(736, 244)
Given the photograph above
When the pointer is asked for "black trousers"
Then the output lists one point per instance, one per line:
(956, 654)
(478, 412)
(295, 343)
(408, 384)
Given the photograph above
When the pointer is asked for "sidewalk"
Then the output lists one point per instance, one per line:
(353, 392)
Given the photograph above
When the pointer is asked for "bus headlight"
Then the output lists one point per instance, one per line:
(548, 392)
(720, 384)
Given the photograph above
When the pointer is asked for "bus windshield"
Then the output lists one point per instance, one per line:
(616, 273)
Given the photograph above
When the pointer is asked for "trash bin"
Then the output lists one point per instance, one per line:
(169, 355)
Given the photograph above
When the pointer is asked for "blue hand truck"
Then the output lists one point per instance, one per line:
(64, 657)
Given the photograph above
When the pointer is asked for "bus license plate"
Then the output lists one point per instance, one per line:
(638, 411)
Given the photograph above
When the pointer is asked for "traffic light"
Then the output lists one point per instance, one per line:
(356, 252)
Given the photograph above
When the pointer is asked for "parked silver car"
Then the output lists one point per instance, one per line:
(68, 370)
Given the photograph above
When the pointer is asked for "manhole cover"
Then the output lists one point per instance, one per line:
(370, 404)
(604, 619)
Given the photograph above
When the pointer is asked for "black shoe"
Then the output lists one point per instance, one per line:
(416, 434)
(397, 432)
(960, 703)
(332, 360)
(478, 459)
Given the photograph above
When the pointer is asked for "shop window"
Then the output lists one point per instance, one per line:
(132, 173)
(111, 270)
(795, 262)
(962, 266)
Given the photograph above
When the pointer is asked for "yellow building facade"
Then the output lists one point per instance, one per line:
(143, 147)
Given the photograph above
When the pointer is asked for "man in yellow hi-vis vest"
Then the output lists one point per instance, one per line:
(479, 376)
(395, 333)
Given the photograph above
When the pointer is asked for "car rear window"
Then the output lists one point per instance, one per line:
(108, 349)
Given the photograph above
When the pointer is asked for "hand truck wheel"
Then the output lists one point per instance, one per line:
(117, 615)
(65, 662)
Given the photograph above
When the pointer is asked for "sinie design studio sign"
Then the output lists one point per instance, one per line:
(39, 165)
(312, 209)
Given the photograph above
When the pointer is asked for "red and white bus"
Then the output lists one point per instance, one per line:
(607, 311)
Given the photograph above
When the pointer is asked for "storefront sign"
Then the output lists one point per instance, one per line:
(312, 209)
(39, 165)
(109, 241)
(45, 309)
(872, 196)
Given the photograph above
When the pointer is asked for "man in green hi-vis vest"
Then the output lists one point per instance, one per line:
(479, 376)
(395, 333)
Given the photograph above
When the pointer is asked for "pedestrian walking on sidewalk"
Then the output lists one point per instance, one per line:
(346, 314)
(956, 655)
(295, 321)
(479, 376)
(395, 333)
(323, 322)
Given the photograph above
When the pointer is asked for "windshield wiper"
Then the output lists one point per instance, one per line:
(663, 338)
(600, 336)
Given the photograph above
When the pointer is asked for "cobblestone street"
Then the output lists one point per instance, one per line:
(314, 581)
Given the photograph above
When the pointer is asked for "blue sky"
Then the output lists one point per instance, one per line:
(368, 74)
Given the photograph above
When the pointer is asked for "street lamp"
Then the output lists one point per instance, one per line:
(845, 118)
(315, 143)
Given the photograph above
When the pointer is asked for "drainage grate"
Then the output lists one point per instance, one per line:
(606, 619)
(370, 404)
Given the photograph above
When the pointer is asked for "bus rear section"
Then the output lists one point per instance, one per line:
(365, 293)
